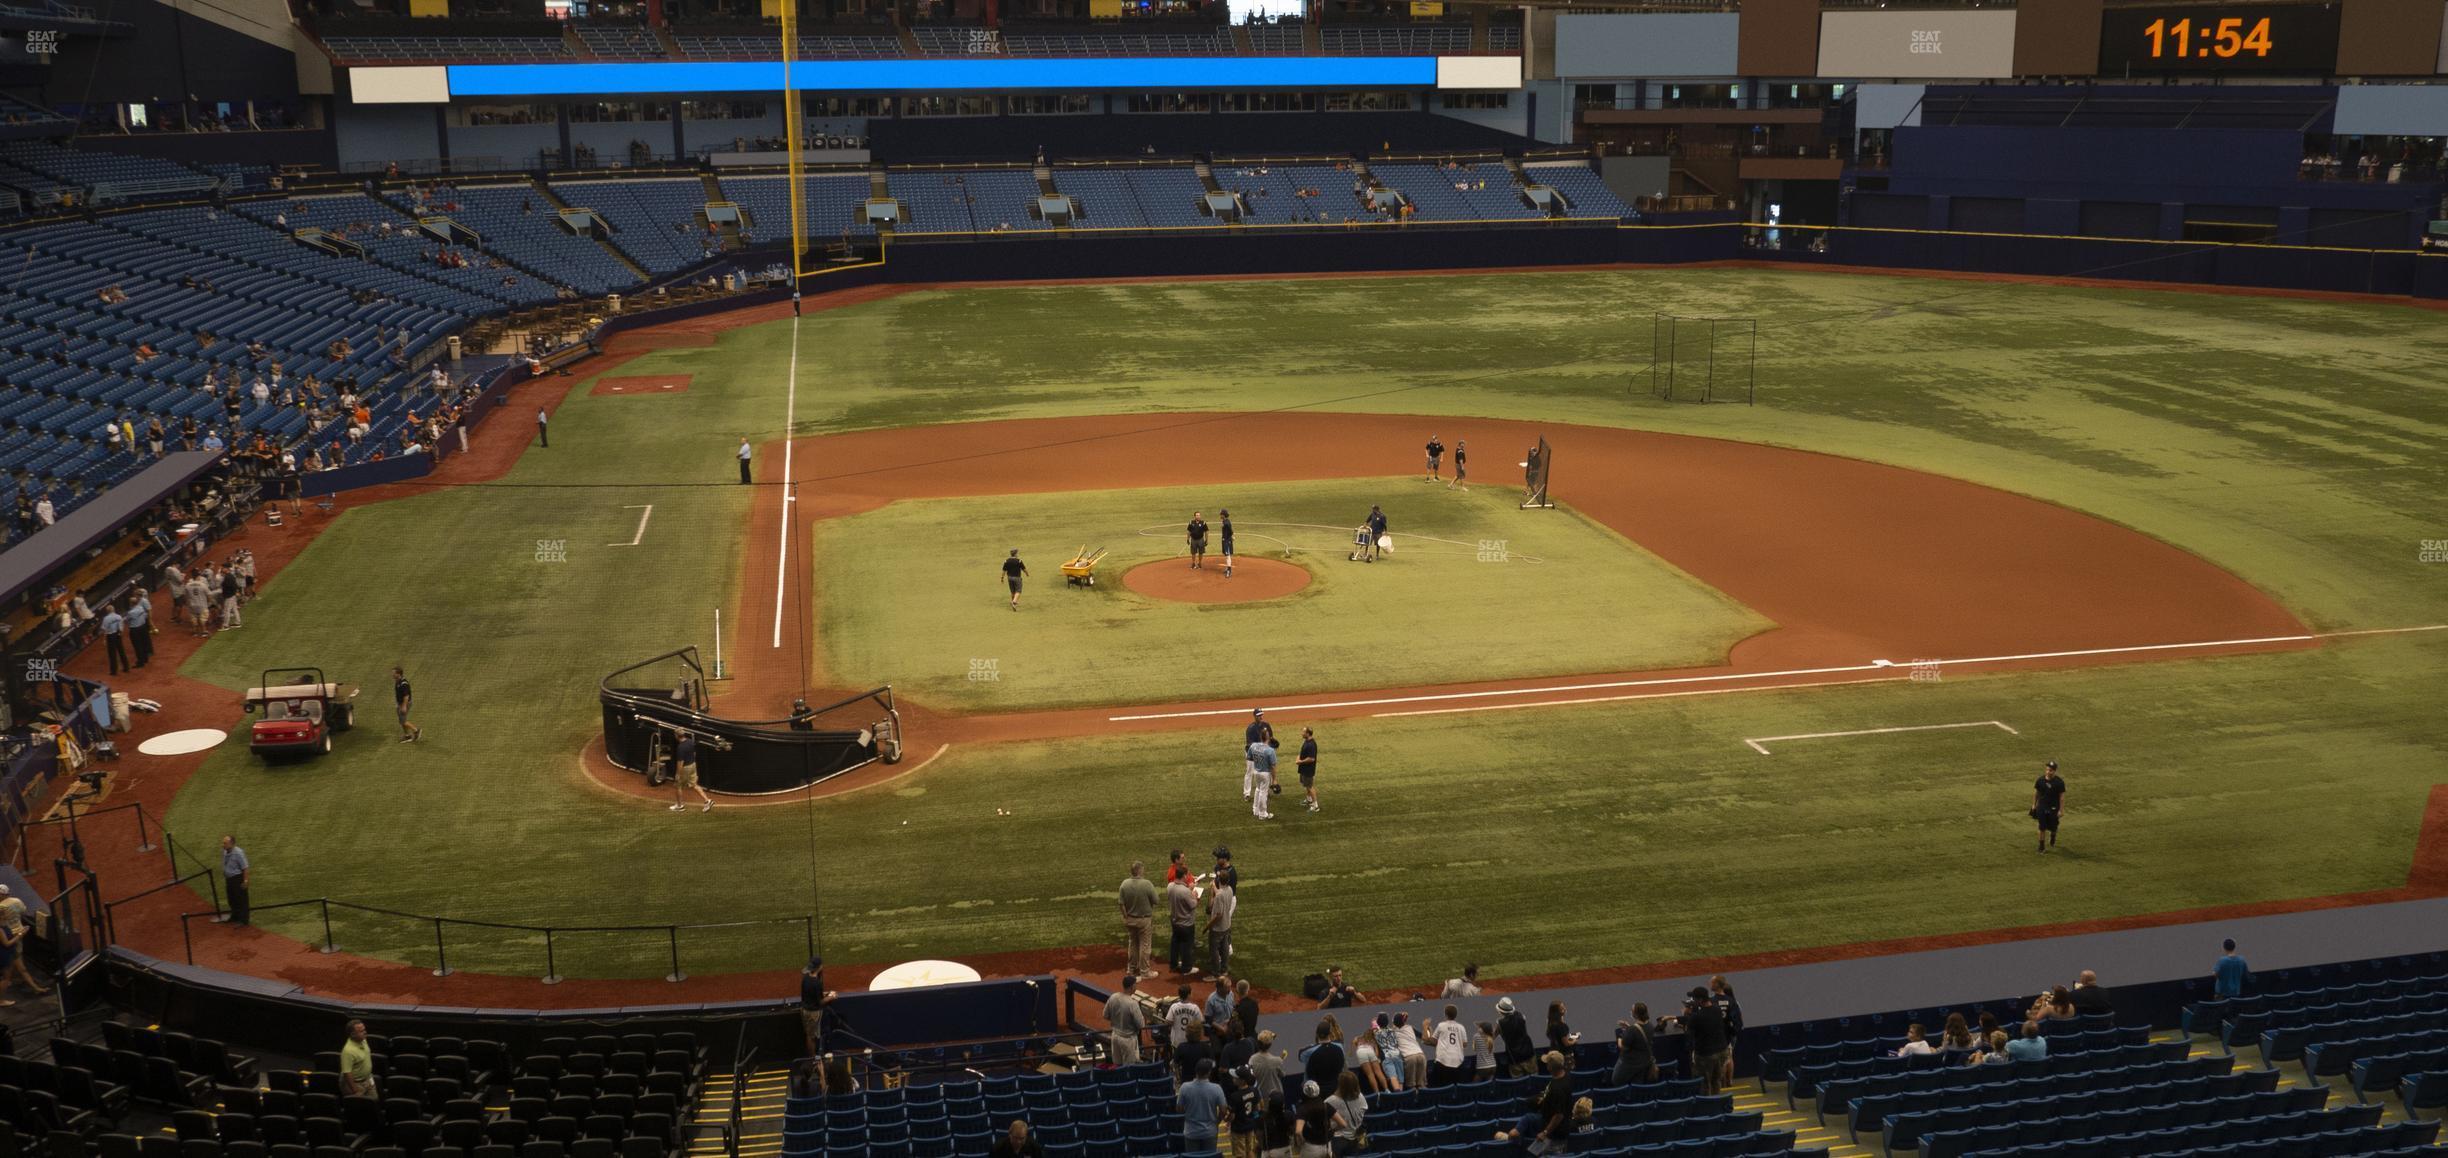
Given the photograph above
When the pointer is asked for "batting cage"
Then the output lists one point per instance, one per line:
(648, 706)
(1703, 359)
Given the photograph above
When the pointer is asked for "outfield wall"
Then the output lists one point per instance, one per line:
(1395, 248)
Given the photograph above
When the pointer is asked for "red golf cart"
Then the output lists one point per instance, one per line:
(301, 710)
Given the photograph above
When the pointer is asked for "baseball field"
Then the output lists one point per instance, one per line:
(1770, 678)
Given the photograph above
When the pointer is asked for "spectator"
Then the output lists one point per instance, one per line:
(1467, 985)
(1550, 1119)
(1957, 1043)
(1245, 1007)
(1350, 1108)
(1192, 1055)
(1414, 1058)
(1247, 1111)
(1124, 1022)
(1175, 870)
(1338, 995)
(1322, 1062)
(1182, 1016)
(1915, 1043)
(2088, 998)
(1636, 1048)
(1367, 1059)
(1233, 1048)
(1705, 1025)
(838, 1083)
(2056, 1005)
(1016, 1142)
(2032, 1046)
(1449, 1055)
(1993, 1050)
(1218, 1008)
(1138, 894)
(44, 512)
(1513, 1032)
(356, 1063)
(1279, 1129)
(1560, 1037)
(1203, 1109)
(1267, 1067)
(1484, 1053)
(2229, 974)
(1313, 1137)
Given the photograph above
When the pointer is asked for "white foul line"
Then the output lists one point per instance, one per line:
(1632, 696)
(640, 537)
(1876, 665)
(790, 421)
(1760, 745)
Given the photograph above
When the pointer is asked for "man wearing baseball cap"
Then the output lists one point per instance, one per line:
(1258, 732)
(2048, 804)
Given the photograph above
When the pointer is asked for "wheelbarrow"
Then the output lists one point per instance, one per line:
(1080, 569)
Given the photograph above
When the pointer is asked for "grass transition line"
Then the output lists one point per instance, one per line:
(1873, 665)
(1759, 744)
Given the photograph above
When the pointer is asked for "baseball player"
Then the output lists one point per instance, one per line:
(1436, 458)
(1197, 534)
(1461, 464)
(1262, 759)
(1258, 733)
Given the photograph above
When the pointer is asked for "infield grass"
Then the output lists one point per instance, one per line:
(910, 595)
(2296, 443)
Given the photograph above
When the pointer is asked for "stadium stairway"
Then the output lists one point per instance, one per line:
(603, 238)
(760, 1102)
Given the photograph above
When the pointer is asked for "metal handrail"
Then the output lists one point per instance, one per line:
(551, 976)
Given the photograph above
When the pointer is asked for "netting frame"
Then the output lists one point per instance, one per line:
(1734, 378)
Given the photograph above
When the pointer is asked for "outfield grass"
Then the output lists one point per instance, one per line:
(909, 595)
(2296, 443)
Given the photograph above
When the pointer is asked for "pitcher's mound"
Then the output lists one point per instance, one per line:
(1252, 578)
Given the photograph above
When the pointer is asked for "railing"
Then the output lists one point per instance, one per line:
(667, 934)
(550, 946)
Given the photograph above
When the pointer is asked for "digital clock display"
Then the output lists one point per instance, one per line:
(2293, 38)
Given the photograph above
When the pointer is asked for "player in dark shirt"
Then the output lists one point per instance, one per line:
(1308, 766)
(1013, 572)
(2048, 803)
(1461, 476)
(1436, 456)
(1226, 528)
(1196, 532)
(401, 694)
